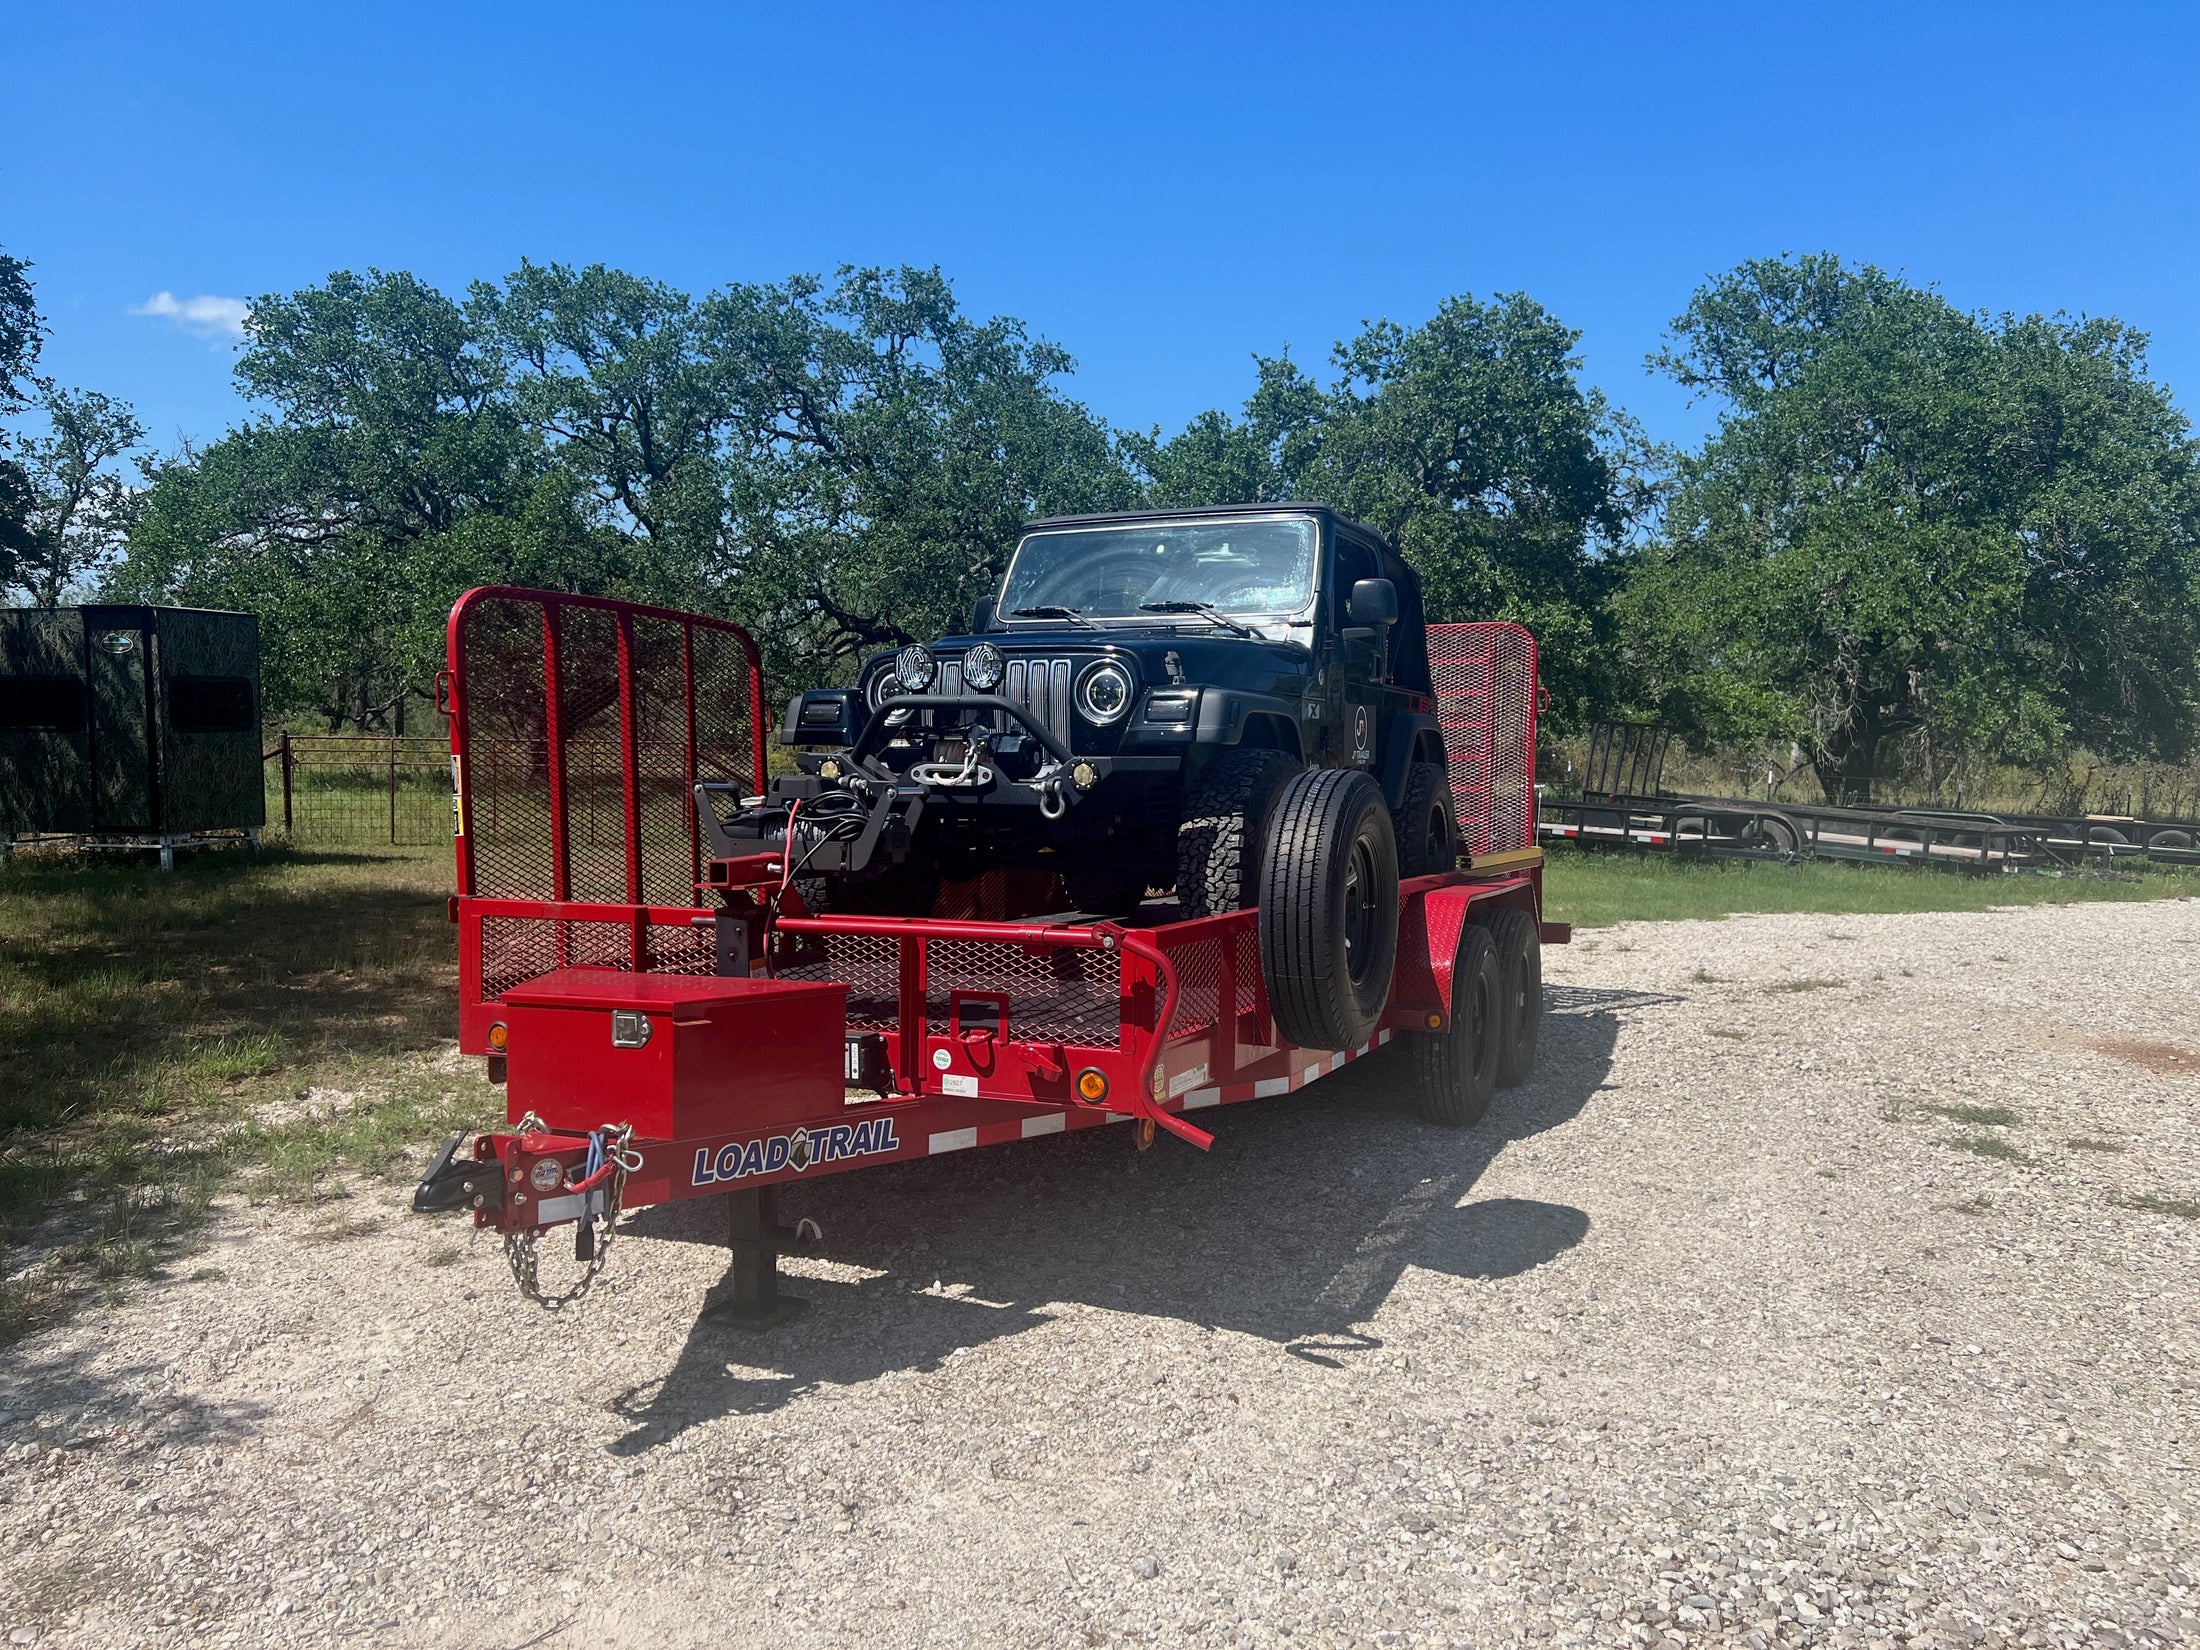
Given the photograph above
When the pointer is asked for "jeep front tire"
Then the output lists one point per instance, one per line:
(1219, 840)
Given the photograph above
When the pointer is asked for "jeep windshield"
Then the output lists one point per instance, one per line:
(1257, 567)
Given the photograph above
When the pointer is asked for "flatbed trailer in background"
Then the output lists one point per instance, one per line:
(670, 1026)
(1623, 804)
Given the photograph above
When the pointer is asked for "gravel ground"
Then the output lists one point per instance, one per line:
(1715, 1332)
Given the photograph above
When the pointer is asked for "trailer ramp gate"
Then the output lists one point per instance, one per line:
(1485, 680)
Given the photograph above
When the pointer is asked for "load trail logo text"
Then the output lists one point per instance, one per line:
(738, 1159)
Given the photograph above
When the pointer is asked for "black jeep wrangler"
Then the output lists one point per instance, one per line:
(1124, 713)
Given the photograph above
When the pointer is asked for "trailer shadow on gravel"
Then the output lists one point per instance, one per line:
(1295, 1228)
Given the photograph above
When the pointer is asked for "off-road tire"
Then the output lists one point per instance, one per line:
(1519, 946)
(1224, 827)
(1105, 890)
(1456, 1070)
(1428, 837)
(1329, 909)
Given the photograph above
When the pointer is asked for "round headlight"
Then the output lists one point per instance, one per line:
(915, 667)
(983, 667)
(883, 687)
(1104, 692)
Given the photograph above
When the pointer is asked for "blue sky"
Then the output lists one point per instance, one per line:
(1163, 190)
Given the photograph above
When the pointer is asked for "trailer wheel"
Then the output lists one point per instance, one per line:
(1428, 839)
(1457, 1069)
(1224, 828)
(1329, 909)
(1519, 947)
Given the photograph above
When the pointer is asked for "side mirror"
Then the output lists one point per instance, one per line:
(1374, 602)
(981, 614)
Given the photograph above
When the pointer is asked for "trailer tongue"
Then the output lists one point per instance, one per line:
(670, 1025)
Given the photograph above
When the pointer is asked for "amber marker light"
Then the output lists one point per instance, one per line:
(1092, 1085)
(498, 1037)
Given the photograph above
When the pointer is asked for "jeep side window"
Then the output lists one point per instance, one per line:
(1349, 563)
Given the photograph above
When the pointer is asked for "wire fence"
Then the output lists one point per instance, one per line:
(360, 788)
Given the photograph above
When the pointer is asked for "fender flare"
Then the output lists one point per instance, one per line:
(1405, 735)
(1225, 714)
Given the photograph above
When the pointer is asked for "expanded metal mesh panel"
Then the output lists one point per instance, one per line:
(667, 803)
(688, 691)
(508, 750)
(868, 964)
(595, 773)
(1485, 699)
(1054, 995)
(515, 950)
(1217, 978)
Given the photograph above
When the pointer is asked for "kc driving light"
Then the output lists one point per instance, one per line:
(983, 667)
(1104, 692)
(915, 666)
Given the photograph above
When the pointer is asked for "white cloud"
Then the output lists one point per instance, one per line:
(205, 316)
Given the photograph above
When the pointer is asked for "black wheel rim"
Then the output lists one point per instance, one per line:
(1359, 910)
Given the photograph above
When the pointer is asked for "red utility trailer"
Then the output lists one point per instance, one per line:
(671, 1026)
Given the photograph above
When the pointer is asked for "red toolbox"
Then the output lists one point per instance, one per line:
(677, 1056)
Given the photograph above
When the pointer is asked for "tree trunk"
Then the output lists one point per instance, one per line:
(1848, 761)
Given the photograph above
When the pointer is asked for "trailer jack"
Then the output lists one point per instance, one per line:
(750, 1297)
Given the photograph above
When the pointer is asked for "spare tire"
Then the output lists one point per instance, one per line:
(1329, 909)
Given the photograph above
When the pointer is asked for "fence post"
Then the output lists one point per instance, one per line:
(286, 782)
(393, 790)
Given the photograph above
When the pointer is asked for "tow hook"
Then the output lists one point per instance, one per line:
(454, 1182)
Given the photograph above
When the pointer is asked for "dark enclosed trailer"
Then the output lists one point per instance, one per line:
(132, 723)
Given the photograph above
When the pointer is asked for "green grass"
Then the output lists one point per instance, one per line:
(2182, 1208)
(1592, 888)
(1987, 1145)
(157, 1031)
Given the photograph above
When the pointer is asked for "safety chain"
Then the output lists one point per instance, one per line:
(610, 1160)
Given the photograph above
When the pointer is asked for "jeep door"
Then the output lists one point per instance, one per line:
(1359, 702)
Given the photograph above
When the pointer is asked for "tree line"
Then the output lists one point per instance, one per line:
(1917, 537)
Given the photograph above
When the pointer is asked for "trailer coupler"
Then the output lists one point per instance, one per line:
(454, 1182)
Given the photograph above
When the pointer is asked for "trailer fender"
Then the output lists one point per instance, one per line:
(1428, 943)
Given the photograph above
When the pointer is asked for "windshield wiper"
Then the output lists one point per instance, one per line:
(1074, 615)
(1203, 610)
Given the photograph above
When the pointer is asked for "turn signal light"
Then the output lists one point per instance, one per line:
(499, 1036)
(1092, 1085)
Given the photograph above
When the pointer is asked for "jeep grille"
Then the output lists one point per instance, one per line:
(1039, 685)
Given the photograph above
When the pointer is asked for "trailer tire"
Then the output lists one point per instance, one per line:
(1519, 946)
(1456, 1070)
(1224, 829)
(1329, 909)
(1428, 837)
